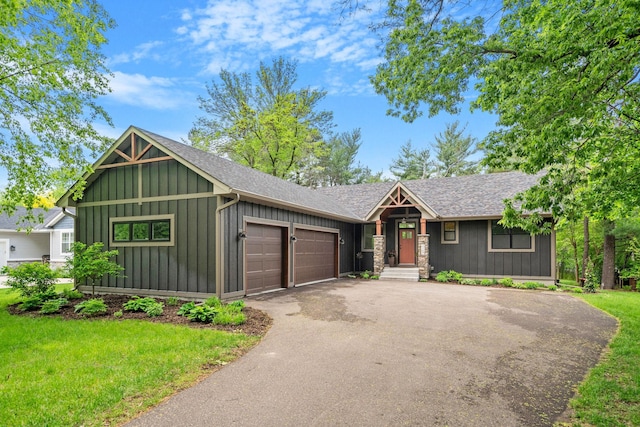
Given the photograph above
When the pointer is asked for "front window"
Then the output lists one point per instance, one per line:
(154, 230)
(509, 238)
(67, 241)
(368, 231)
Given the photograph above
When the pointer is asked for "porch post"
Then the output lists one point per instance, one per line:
(378, 249)
(423, 250)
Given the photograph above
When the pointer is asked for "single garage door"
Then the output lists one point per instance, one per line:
(264, 260)
(315, 256)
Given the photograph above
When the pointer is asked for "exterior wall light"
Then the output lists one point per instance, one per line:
(294, 238)
(242, 235)
(12, 248)
(341, 241)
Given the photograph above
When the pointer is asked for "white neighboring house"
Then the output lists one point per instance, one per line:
(48, 241)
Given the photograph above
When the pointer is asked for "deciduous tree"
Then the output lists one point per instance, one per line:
(268, 125)
(51, 74)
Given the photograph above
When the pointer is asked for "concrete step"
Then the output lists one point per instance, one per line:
(400, 273)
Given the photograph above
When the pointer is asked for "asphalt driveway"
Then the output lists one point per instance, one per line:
(379, 353)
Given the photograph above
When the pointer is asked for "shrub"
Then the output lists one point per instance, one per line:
(579, 290)
(53, 306)
(365, 274)
(186, 308)
(229, 318)
(532, 285)
(375, 277)
(591, 280)
(148, 305)
(31, 303)
(213, 301)
(552, 287)
(202, 313)
(118, 314)
(237, 303)
(172, 301)
(91, 307)
(72, 294)
(506, 282)
(486, 282)
(442, 276)
(32, 278)
(92, 263)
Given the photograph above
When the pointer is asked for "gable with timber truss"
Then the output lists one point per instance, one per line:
(136, 170)
(397, 198)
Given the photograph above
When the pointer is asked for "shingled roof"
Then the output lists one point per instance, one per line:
(469, 196)
(252, 182)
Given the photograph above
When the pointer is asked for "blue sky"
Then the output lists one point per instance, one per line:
(163, 53)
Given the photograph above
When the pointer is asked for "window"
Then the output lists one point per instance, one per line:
(509, 239)
(449, 232)
(67, 241)
(368, 231)
(153, 230)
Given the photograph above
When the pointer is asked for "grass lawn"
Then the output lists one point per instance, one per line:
(98, 372)
(610, 396)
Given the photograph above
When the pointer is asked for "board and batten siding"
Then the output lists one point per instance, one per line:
(233, 221)
(188, 265)
(471, 256)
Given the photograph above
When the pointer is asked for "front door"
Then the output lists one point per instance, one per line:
(407, 243)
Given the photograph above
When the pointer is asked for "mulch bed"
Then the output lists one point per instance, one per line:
(258, 322)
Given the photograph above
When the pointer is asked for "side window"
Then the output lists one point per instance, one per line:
(368, 231)
(509, 239)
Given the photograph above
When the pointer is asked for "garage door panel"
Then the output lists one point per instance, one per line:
(315, 256)
(264, 261)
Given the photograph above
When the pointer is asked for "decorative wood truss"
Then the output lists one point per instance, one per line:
(398, 200)
(134, 159)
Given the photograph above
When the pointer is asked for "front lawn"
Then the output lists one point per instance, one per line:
(610, 396)
(57, 372)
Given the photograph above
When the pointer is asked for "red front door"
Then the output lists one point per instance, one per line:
(407, 243)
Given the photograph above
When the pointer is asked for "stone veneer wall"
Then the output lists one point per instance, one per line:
(378, 254)
(423, 256)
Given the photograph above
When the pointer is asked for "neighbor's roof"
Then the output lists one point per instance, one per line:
(470, 196)
(15, 222)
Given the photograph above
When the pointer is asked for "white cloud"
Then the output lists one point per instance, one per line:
(142, 51)
(251, 30)
(158, 93)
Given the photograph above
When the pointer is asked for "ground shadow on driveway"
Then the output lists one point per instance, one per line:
(402, 353)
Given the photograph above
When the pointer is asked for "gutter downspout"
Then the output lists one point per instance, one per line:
(74, 217)
(219, 254)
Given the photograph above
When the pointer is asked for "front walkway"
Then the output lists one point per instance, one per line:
(380, 353)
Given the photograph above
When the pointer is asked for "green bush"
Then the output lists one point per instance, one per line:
(579, 290)
(118, 314)
(32, 278)
(486, 282)
(442, 276)
(532, 285)
(186, 308)
(202, 313)
(506, 282)
(365, 274)
(53, 306)
(72, 294)
(229, 318)
(30, 303)
(552, 287)
(148, 305)
(91, 307)
(172, 301)
(237, 303)
(467, 282)
(213, 301)
(92, 263)
(375, 277)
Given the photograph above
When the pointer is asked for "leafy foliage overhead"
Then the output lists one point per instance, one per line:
(561, 76)
(51, 73)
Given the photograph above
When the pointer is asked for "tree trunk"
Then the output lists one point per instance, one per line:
(585, 248)
(608, 256)
(574, 245)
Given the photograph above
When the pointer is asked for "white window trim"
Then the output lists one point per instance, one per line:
(62, 242)
(490, 239)
(449, 242)
(172, 226)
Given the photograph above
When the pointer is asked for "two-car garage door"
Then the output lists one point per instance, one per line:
(266, 249)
